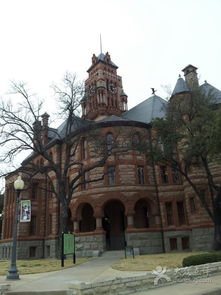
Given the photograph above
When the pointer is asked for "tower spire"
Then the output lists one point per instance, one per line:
(100, 44)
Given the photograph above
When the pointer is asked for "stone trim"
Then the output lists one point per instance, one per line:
(150, 280)
(4, 288)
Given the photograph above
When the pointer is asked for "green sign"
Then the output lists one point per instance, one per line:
(69, 245)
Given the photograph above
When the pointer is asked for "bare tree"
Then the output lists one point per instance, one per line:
(21, 129)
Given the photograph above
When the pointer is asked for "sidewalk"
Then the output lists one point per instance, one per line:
(100, 269)
(95, 270)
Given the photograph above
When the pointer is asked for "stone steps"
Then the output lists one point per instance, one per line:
(114, 253)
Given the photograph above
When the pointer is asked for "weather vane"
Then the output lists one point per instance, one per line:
(153, 91)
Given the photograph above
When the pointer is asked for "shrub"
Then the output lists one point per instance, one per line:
(202, 258)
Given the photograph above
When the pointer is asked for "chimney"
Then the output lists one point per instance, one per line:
(45, 118)
(94, 59)
(191, 77)
(37, 130)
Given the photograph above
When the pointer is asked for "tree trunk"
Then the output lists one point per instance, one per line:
(64, 217)
(217, 221)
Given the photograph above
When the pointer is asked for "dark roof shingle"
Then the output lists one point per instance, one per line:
(146, 111)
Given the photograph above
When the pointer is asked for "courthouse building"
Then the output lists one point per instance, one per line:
(149, 206)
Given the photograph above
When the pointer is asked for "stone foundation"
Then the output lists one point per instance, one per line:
(5, 251)
(87, 245)
(146, 242)
(34, 249)
(202, 239)
(177, 236)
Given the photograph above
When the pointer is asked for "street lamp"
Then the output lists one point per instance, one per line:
(13, 272)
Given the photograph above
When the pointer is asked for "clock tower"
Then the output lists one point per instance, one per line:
(104, 95)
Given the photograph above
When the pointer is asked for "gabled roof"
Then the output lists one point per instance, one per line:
(208, 89)
(180, 87)
(146, 111)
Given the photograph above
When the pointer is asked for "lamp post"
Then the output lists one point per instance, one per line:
(13, 272)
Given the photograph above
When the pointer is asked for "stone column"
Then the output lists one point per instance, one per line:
(130, 221)
(98, 223)
(157, 219)
(76, 226)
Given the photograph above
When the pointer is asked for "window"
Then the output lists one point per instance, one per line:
(34, 191)
(173, 244)
(135, 139)
(32, 252)
(169, 213)
(160, 144)
(85, 178)
(109, 141)
(33, 225)
(51, 155)
(181, 212)
(83, 149)
(50, 189)
(41, 163)
(175, 175)
(111, 175)
(192, 204)
(185, 243)
(203, 196)
(88, 221)
(164, 174)
(140, 172)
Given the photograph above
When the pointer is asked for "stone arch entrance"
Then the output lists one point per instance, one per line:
(114, 224)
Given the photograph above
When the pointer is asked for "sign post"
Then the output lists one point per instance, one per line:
(68, 247)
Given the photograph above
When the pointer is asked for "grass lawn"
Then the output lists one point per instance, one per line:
(39, 265)
(151, 261)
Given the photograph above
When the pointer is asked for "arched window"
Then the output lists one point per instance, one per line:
(87, 222)
(109, 141)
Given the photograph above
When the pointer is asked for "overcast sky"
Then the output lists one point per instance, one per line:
(151, 41)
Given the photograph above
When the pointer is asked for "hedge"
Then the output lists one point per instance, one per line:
(202, 258)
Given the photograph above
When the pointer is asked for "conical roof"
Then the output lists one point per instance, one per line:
(180, 87)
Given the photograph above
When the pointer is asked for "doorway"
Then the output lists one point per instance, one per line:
(114, 224)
